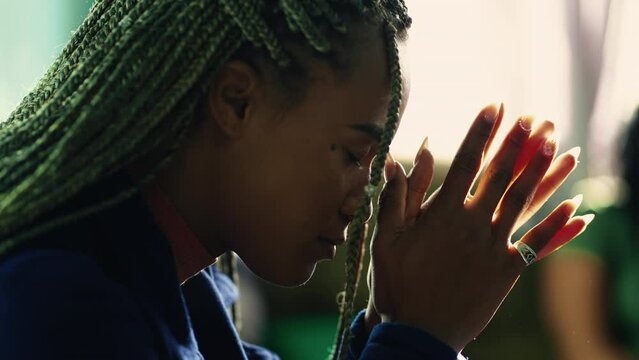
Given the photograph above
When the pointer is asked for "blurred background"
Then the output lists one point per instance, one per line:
(575, 62)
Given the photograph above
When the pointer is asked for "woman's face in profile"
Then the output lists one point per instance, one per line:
(281, 191)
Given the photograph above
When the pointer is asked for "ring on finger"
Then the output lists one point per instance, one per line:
(527, 253)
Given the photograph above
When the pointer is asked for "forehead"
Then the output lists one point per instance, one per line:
(364, 95)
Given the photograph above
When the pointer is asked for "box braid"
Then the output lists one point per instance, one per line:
(355, 243)
(129, 83)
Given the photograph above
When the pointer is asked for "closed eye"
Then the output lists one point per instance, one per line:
(353, 159)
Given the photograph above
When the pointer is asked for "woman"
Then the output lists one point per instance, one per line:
(601, 270)
(171, 132)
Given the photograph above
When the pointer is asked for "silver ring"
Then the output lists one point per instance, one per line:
(527, 253)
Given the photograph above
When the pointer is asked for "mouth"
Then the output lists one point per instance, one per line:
(337, 241)
(347, 219)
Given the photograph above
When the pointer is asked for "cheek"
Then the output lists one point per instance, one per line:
(291, 195)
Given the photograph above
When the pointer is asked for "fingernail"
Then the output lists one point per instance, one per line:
(421, 150)
(390, 170)
(490, 113)
(525, 122)
(577, 200)
(550, 146)
(425, 143)
(588, 218)
(500, 113)
(574, 152)
(400, 167)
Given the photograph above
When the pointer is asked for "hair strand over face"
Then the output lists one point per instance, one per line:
(127, 85)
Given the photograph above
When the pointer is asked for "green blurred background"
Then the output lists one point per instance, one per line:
(296, 323)
(302, 321)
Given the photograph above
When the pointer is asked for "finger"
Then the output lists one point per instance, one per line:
(419, 180)
(392, 202)
(499, 172)
(468, 159)
(518, 196)
(362, 251)
(560, 169)
(537, 137)
(570, 231)
(500, 117)
(542, 233)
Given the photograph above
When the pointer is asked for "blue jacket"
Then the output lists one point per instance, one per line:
(105, 287)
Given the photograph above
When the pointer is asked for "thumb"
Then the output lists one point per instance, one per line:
(392, 201)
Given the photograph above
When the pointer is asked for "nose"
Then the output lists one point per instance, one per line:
(349, 210)
(354, 199)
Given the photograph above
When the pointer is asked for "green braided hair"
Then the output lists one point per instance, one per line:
(130, 82)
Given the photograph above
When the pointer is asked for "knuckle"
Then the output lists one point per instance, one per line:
(560, 219)
(517, 140)
(500, 177)
(515, 264)
(398, 231)
(467, 162)
(419, 188)
(519, 199)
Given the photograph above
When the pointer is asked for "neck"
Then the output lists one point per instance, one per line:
(189, 254)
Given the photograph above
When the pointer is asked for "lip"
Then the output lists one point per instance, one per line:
(328, 248)
(347, 218)
(337, 241)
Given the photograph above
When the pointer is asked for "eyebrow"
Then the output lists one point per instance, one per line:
(372, 130)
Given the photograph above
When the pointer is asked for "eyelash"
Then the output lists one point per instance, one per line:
(354, 159)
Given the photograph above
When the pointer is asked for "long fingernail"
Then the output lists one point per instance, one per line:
(500, 113)
(400, 168)
(588, 218)
(490, 113)
(525, 122)
(550, 146)
(574, 152)
(421, 150)
(577, 200)
(390, 170)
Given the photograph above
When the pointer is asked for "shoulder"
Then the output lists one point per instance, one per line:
(58, 274)
(61, 304)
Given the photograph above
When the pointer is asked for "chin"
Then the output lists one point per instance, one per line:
(285, 277)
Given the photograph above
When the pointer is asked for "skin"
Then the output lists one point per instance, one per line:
(268, 181)
(459, 243)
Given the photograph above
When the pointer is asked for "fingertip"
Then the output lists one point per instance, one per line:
(550, 145)
(573, 228)
(587, 219)
(525, 122)
(425, 143)
(390, 170)
(570, 161)
(569, 207)
(422, 149)
(577, 200)
(400, 168)
(574, 152)
(490, 113)
(548, 125)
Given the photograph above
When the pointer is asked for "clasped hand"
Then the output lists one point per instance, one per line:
(445, 265)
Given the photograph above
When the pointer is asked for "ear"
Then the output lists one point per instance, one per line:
(231, 97)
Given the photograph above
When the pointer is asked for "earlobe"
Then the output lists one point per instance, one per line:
(230, 97)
